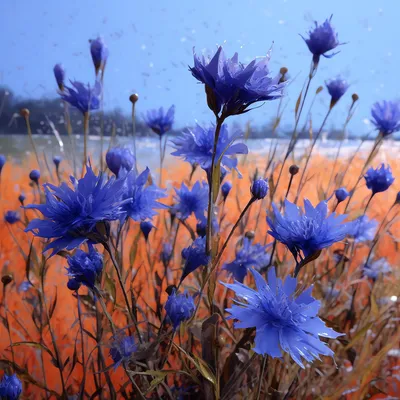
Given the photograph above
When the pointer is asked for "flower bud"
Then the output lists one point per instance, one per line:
(293, 169)
(259, 188)
(24, 112)
(341, 194)
(6, 279)
(34, 175)
(249, 235)
(133, 98)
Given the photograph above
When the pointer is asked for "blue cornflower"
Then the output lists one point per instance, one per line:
(84, 98)
(380, 179)
(226, 187)
(166, 254)
(2, 161)
(364, 229)
(282, 321)
(34, 175)
(195, 256)
(10, 387)
(84, 268)
(99, 52)
(308, 231)
(336, 88)
(12, 217)
(233, 86)
(179, 308)
(146, 227)
(120, 157)
(122, 349)
(160, 122)
(75, 215)
(141, 200)
(59, 74)
(24, 286)
(322, 39)
(192, 201)
(341, 194)
(259, 188)
(250, 255)
(386, 117)
(376, 268)
(196, 146)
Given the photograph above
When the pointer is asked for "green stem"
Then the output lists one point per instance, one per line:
(265, 358)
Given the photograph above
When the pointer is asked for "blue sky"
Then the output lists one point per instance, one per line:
(151, 44)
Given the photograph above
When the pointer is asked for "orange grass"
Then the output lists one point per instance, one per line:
(64, 320)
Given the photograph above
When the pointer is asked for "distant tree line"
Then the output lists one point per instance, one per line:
(47, 114)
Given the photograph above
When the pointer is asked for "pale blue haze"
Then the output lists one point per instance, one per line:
(150, 47)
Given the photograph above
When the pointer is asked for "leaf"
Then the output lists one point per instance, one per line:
(374, 307)
(35, 345)
(359, 335)
(298, 103)
(109, 286)
(53, 305)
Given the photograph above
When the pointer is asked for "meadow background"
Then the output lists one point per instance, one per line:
(62, 336)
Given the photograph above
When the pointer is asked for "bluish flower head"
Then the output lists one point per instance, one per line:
(21, 198)
(84, 98)
(386, 116)
(24, 286)
(140, 200)
(99, 52)
(85, 268)
(376, 268)
(341, 194)
(74, 215)
(59, 74)
(233, 86)
(380, 179)
(166, 254)
(160, 122)
(120, 158)
(34, 175)
(146, 227)
(194, 201)
(201, 226)
(259, 188)
(337, 88)
(322, 38)
(10, 387)
(195, 256)
(282, 321)
(308, 231)
(226, 187)
(196, 146)
(57, 160)
(364, 229)
(122, 349)
(179, 308)
(2, 161)
(250, 255)
(12, 217)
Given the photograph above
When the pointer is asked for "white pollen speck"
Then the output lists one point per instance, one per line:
(183, 39)
(281, 22)
(143, 47)
(151, 65)
(393, 298)
(366, 121)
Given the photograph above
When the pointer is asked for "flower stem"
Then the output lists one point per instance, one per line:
(121, 284)
(82, 346)
(260, 382)
(309, 154)
(85, 138)
(211, 194)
